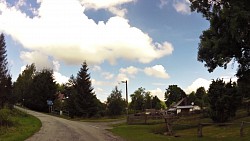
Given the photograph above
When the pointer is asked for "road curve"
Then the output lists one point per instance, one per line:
(59, 129)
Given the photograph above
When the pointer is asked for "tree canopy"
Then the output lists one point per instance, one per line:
(173, 94)
(228, 36)
(23, 84)
(137, 98)
(43, 88)
(115, 103)
(223, 99)
(200, 95)
(142, 99)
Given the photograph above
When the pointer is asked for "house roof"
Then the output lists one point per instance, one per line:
(179, 102)
(60, 96)
(176, 106)
(185, 107)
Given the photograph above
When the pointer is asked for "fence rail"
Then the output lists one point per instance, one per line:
(201, 125)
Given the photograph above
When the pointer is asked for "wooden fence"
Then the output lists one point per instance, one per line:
(142, 118)
(201, 125)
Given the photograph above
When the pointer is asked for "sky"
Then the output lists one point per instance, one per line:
(150, 43)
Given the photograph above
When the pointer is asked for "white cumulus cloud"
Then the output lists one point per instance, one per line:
(200, 82)
(40, 60)
(59, 78)
(158, 92)
(114, 6)
(156, 71)
(122, 77)
(182, 6)
(61, 30)
(130, 70)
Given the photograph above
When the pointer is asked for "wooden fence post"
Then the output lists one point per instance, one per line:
(146, 118)
(200, 130)
(241, 129)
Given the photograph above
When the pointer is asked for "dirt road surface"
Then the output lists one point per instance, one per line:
(59, 129)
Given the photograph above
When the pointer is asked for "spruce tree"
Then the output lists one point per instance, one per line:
(86, 102)
(5, 78)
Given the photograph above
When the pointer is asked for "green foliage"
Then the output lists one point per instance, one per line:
(115, 103)
(23, 85)
(70, 91)
(174, 94)
(156, 103)
(142, 100)
(244, 87)
(200, 92)
(22, 126)
(5, 117)
(223, 99)
(148, 103)
(6, 96)
(200, 95)
(137, 99)
(41, 87)
(227, 38)
(191, 97)
(82, 100)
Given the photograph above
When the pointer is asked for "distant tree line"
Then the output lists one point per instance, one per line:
(142, 99)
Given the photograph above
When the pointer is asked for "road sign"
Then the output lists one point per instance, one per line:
(50, 102)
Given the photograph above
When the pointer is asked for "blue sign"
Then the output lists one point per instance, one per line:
(49, 102)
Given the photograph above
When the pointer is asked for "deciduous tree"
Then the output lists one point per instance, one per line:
(227, 39)
(43, 88)
(174, 94)
(137, 99)
(200, 94)
(23, 85)
(223, 100)
(156, 103)
(115, 103)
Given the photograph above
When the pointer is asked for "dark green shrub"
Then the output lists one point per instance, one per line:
(5, 117)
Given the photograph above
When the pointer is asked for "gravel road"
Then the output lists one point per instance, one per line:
(59, 129)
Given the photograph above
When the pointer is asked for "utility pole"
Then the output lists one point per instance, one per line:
(126, 82)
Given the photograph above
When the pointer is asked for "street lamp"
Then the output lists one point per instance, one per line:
(126, 95)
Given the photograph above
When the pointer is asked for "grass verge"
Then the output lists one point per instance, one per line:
(24, 126)
(184, 132)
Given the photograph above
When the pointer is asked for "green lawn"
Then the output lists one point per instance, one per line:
(24, 126)
(185, 132)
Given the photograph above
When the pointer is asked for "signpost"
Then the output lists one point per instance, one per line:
(50, 104)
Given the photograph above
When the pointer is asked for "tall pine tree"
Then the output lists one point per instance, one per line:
(86, 103)
(5, 77)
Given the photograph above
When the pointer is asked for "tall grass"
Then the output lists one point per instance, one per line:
(17, 125)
